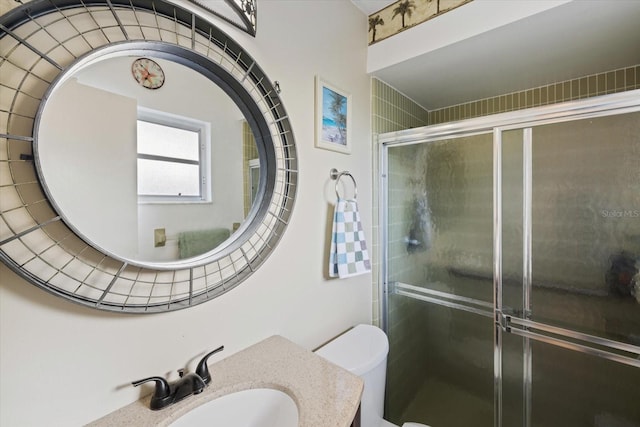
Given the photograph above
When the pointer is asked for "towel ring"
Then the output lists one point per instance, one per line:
(334, 174)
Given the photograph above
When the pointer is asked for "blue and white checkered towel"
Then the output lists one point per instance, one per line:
(349, 256)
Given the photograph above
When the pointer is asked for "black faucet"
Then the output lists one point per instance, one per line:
(167, 394)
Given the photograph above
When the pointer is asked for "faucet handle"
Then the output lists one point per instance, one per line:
(202, 369)
(162, 393)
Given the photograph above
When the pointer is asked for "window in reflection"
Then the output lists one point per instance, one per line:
(172, 158)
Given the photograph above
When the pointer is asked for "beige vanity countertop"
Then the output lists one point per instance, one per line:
(326, 395)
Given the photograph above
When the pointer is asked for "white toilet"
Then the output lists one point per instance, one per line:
(363, 350)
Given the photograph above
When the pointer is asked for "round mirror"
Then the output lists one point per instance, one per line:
(142, 164)
(81, 214)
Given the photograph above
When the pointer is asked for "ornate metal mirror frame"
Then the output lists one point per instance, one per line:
(42, 40)
(242, 14)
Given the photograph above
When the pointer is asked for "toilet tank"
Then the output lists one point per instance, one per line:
(363, 351)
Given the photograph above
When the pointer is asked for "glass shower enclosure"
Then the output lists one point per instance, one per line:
(510, 268)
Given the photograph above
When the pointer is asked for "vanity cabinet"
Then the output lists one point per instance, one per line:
(356, 419)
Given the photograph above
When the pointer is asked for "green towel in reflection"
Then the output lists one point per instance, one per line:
(192, 243)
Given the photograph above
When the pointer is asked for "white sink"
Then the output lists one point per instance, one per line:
(262, 407)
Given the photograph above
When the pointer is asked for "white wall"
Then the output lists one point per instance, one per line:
(76, 141)
(63, 364)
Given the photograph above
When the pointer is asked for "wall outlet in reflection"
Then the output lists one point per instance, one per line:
(159, 237)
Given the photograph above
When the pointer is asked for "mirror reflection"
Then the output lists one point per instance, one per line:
(146, 158)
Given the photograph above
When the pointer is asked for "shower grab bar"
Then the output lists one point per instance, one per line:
(335, 175)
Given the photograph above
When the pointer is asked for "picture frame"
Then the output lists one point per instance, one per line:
(333, 117)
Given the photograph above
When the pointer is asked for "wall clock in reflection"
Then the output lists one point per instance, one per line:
(38, 241)
(147, 73)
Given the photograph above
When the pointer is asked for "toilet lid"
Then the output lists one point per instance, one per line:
(359, 350)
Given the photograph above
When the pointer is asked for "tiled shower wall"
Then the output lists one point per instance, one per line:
(585, 87)
(392, 111)
(249, 152)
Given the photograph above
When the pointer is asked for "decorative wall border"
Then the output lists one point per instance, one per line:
(404, 14)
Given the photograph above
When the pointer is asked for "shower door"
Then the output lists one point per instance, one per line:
(510, 269)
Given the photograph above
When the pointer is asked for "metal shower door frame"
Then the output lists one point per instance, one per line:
(505, 320)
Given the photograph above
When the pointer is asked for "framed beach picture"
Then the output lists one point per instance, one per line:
(333, 117)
